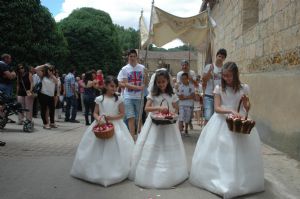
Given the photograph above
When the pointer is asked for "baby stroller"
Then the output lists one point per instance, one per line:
(10, 106)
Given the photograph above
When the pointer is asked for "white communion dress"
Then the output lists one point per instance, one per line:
(159, 159)
(226, 163)
(104, 161)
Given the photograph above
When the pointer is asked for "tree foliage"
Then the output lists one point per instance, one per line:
(182, 48)
(29, 33)
(175, 49)
(128, 38)
(154, 48)
(93, 41)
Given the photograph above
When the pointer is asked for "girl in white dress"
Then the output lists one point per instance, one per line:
(105, 161)
(159, 159)
(227, 163)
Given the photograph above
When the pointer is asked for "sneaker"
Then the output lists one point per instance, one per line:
(67, 120)
(2, 143)
(10, 120)
(53, 126)
(74, 121)
(46, 127)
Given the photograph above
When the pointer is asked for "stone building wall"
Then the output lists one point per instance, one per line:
(272, 42)
(156, 59)
(175, 66)
(263, 37)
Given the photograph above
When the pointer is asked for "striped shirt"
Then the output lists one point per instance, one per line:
(69, 84)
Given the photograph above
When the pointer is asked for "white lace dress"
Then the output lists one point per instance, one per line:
(159, 159)
(227, 163)
(105, 161)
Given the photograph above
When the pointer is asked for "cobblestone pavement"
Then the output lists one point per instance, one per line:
(55, 142)
(37, 165)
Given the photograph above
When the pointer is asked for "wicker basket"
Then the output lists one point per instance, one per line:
(164, 119)
(104, 130)
(240, 125)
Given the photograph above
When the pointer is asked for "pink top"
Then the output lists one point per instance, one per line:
(81, 89)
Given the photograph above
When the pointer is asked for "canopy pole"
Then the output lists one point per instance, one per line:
(145, 74)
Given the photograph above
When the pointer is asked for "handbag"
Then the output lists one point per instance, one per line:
(28, 92)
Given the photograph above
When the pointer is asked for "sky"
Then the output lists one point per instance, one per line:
(125, 12)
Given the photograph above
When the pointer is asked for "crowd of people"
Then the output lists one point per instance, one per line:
(151, 155)
(43, 88)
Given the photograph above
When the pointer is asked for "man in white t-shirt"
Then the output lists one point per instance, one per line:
(185, 68)
(131, 78)
(212, 76)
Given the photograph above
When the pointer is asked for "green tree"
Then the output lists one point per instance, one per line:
(93, 41)
(128, 38)
(153, 48)
(182, 48)
(29, 33)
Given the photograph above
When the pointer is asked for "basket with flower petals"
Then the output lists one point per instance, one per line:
(103, 129)
(164, 118)
(239, 124)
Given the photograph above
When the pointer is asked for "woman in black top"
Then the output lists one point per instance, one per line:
(24, 92)
(90, 85)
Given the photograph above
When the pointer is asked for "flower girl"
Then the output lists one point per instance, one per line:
(227, 163)
(105, 161)
(159, 159)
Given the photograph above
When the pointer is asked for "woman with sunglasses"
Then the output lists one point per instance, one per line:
(24, 92)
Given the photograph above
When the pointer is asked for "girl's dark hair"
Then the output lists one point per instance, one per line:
(222, 51)
(88, 77)
(185, 74)
(155, 90)
(236, 85)
(109, 79)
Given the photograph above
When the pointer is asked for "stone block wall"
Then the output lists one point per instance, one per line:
(272, 43)
(266, 46)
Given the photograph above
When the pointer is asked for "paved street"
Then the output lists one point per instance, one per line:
(36, 166)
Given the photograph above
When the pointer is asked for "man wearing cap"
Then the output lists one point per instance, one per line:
(212, 77)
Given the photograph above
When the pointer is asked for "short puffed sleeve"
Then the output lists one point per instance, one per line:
(246, 89)
(217, 90)
(120, 100)
(99, 99)
(150, 97)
